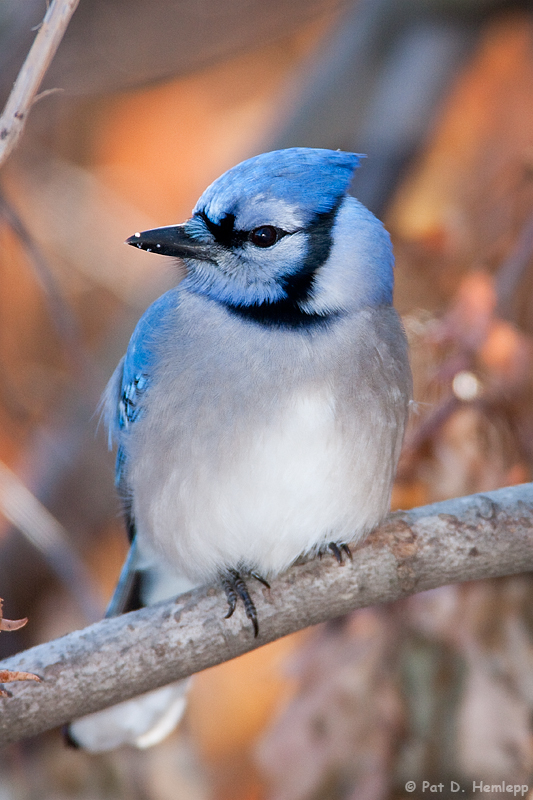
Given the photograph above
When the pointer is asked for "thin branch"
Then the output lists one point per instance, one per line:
(480, 536)
(511, 272)
(23, 510)
(61, 314)
(32, 72)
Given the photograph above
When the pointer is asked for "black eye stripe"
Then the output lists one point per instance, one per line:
(224, 232)
(298, 287)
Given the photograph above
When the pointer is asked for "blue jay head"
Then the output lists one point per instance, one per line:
(279, 236)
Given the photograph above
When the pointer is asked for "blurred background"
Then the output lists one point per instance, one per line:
(153, 102)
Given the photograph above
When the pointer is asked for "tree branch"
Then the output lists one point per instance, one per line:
(481, 536)
(32, 72)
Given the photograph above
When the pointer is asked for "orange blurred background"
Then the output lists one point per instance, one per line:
(435, 687)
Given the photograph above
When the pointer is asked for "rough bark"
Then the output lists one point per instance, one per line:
(480, 536)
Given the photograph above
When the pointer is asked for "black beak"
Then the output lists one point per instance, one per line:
(173, 240)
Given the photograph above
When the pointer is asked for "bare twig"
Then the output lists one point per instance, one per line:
(62, 317)
(8, 675)
(10, 624)
(465, 539)
(511, 272)
(424, 432)
(31, 75)
(42, 529)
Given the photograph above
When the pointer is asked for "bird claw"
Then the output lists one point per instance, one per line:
(235, 588)
(231, 596)
(260, 578)
(346, 549)
(339, 551)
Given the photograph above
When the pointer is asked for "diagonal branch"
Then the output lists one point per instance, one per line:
(32, 72)
(480, 536)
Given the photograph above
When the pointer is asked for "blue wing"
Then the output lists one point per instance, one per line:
(122, 405)
(130, 383)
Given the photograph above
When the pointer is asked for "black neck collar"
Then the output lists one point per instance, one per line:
(283, 313)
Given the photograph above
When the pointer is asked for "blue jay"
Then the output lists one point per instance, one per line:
(260, 408)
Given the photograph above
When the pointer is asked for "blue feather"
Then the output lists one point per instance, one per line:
(311, 179)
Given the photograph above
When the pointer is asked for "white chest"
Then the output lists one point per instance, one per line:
(280, 490)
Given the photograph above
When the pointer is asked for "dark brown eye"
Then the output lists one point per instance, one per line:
(264, 236)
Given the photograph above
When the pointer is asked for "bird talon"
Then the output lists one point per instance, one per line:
(340, 551)
(260, 579)
(231, 596)
(235, 588)
(346, 549)
(255, 625)
(336, 552)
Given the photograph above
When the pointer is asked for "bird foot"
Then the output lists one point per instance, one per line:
(340, 552)
(236, 588)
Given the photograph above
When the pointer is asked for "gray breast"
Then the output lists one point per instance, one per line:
(259, 444)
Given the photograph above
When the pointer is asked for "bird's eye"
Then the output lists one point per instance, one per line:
(265, 236)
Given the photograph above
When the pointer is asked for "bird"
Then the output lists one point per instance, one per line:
(260, 408)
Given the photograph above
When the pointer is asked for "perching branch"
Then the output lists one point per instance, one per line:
(32, 72)
(480, 536)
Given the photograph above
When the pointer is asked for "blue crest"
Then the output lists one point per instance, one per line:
(306, 177)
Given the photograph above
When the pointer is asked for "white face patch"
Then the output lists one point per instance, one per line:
(270, 263)
(358, 271)
(250, 274)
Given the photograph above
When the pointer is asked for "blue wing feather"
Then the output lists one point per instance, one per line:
(131, 380)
